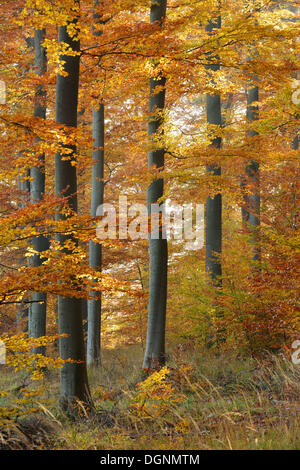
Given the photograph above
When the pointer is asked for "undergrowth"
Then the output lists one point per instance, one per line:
(198, 401)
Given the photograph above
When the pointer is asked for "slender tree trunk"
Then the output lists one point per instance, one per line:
(74, 382)
(252, 170)
(94, 304)
(95, 249)
(37, 190)
(213, 217)
(24, 310)
(251, 210)
(213, 207)
(158, 248)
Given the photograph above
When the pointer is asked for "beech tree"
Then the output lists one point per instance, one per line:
(37, 191)
(74, 382)
(95, 249)
(213, 208)
(23, 311)
(158, 248)
(252, 215)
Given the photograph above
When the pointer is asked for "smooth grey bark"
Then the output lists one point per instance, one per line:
(252, 215)
(94, 304)
(24, 309)
(295, 143)
(213, 209)
(158, 248)
(37, 190)
(74, 382)
(95, 249)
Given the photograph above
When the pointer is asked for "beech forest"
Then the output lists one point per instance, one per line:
(149, 226)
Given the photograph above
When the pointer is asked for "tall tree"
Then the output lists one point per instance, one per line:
(213, 209)
(95, 249)
(252, 215)
(23, 311)
(37, 190)
(74, 382)
(158, 248)
(294, 9)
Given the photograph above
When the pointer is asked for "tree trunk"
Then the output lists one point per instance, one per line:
(158, 248)
(94, 304)
(24, 309)
(213, 217)
(74, 382)
(252, 215)
(37, 190)
(95, 249)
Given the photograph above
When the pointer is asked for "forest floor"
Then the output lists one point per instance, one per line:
(200, 402)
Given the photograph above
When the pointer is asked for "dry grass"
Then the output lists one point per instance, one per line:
(222, 402)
